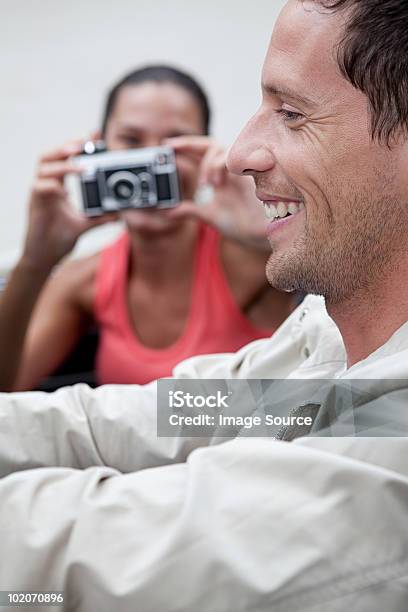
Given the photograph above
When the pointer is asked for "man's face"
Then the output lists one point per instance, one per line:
(309, 144)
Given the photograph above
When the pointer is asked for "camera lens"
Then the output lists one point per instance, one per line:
(124, 187)
(123, 190)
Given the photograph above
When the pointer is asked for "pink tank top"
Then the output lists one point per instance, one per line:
(215, 324)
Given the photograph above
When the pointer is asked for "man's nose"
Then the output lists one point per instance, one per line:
(250, 153)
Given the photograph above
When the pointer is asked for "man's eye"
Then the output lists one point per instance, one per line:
(290, 116)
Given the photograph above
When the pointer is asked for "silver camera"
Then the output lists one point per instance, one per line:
(117, 180)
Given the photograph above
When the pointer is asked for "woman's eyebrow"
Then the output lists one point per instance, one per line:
(130, 128)
(136, 130)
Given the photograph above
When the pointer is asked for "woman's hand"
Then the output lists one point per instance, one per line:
(54, 225)
(232, 206)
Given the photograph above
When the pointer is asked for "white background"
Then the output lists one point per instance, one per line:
(58, 58)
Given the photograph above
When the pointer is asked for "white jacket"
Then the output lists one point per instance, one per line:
(93, 503)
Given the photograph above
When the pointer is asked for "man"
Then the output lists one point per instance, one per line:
(317, 524)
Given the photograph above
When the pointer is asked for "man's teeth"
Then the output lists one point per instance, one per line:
(282, 209)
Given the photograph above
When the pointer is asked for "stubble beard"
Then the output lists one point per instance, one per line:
(347, 256)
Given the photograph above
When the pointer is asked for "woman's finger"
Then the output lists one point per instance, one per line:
(47, 188)
(57, 169)
(213, 168)
(188, 209)
(73, 147)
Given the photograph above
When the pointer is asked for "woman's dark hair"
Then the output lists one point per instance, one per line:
(160, 74)
(373, 55)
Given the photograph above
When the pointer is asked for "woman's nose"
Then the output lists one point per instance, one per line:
(153, 141)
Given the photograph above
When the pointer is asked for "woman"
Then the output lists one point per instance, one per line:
(171, 286)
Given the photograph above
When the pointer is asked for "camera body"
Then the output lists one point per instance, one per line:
(112, 181)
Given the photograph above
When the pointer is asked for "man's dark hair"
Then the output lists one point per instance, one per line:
(160, 74)
(373, 56)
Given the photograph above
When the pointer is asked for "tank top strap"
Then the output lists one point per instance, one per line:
(207, 253)
(111, 278)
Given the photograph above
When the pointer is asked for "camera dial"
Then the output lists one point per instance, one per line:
(92, 147)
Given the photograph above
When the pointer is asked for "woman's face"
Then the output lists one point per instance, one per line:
(144, 116)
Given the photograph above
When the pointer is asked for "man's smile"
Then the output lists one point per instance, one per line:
(279, 207)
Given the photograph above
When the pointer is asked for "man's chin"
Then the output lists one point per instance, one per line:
(281, 284)
(283, 274)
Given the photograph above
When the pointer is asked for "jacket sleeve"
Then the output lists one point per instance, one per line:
(247, 525)
(116, 426)
(80, 427)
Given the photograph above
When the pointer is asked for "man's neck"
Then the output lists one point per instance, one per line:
(161, 259)
(367, 321)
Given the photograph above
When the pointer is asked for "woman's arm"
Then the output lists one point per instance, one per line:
(16, 305)
(53, 229)
(57, 322)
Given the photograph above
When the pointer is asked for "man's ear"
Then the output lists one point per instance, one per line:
(95, 135)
